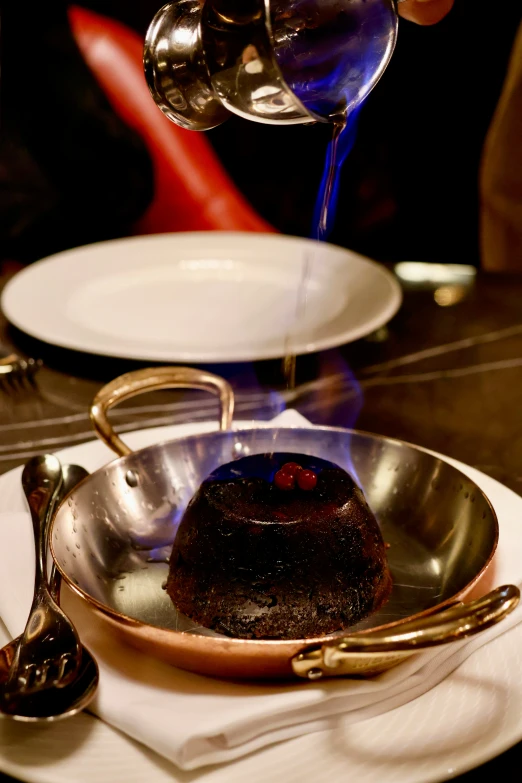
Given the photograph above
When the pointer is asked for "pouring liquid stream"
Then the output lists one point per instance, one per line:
(324, 214)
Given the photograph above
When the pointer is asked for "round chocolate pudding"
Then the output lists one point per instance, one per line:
(257, 561)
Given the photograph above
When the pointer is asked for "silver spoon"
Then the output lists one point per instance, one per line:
(53, 703)
(50, 651)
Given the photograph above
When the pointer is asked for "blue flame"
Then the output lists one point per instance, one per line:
(326, 203)
(331, 54)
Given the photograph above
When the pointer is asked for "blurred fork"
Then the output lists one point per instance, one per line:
(17, 375)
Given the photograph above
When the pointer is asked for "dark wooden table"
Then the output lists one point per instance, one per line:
(445, 374)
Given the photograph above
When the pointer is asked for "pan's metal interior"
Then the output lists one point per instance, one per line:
(112, 536)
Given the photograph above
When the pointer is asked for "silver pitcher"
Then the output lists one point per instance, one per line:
(281, 62)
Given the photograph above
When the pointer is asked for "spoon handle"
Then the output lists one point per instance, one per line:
(55, 581)
(72, 475)
(41, 482)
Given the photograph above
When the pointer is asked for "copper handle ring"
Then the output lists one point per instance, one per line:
(375, 651)
(154, 379)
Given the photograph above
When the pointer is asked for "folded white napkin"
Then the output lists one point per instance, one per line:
(194, 720)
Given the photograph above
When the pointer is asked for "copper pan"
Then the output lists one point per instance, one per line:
(112, 536)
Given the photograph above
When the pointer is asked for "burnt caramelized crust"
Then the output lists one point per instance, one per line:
(254, 561)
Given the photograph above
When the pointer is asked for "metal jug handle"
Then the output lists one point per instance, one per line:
(175, 67)
(138, 382)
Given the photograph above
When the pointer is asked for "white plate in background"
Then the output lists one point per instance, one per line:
(202, 297)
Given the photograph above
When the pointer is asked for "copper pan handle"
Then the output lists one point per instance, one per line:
(375, 651)
(154, 379)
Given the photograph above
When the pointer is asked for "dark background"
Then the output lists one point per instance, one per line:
(409, 188)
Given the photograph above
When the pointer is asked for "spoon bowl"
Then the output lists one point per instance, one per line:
(52, 704)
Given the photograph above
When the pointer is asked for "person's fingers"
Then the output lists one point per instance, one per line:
(425, 11)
